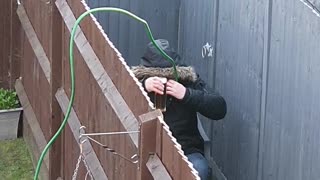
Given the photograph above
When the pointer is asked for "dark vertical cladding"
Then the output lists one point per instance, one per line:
(291, 125)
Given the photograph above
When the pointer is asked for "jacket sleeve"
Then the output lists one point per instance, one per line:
(204, 101)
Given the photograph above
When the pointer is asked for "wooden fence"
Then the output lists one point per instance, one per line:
(108, 98)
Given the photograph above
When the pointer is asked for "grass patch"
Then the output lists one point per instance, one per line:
(15, 160)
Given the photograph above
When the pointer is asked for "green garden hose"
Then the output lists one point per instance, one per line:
(108, 9)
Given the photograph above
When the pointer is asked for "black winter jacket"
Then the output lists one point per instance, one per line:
(181, 115)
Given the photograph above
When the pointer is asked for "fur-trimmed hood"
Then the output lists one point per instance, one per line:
(185, 73)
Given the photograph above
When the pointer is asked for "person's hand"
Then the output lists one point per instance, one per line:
(175, 89)
(154, 84)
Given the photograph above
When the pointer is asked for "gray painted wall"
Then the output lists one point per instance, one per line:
(265, 62)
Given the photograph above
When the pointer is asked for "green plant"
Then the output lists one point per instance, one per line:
(8, 99)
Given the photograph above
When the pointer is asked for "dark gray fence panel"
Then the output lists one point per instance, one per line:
(239, 61)
(162, 17)
(197, 45)
(196, 29)
(292, 121)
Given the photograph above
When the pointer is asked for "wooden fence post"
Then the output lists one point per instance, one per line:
(147, 148)
(147, 142)
(56, 155)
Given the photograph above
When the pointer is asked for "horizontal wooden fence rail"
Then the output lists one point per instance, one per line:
(32, 131)
(34, 42)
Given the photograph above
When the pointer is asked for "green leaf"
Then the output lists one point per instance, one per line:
(8, 99)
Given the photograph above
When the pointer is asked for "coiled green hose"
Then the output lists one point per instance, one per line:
(64, 122)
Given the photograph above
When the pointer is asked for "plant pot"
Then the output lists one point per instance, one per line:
(9, 120)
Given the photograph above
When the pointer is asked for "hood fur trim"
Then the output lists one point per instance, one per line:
(184, 73)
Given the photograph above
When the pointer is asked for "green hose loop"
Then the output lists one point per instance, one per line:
(64, 122)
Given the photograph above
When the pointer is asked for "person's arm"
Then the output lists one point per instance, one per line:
(198, 98)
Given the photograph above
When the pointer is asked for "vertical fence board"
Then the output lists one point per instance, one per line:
(55, 58)
(10, 46)
(167, 151)
(5, 17)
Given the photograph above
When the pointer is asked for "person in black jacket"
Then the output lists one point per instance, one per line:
(184, 99)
